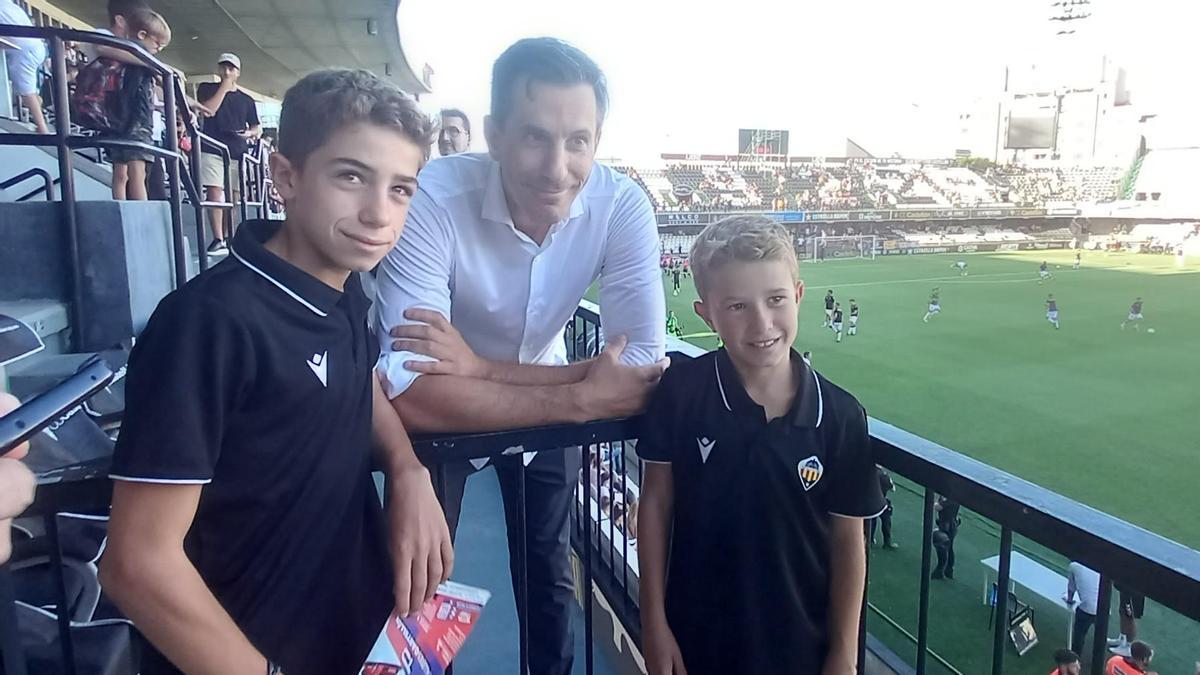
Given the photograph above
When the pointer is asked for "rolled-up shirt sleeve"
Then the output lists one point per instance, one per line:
(416, 273)
(631, 290)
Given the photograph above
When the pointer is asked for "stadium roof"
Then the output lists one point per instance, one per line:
(280, 42)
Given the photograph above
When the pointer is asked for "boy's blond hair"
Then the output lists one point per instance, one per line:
(740, 239)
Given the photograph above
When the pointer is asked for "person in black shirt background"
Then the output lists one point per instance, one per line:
(234, 122)
(884, 521)
(947, 521)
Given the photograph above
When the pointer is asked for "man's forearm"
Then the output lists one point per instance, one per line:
(528, 374)
(847, 581)
(170, 604)
(440, 403)
(218, 97)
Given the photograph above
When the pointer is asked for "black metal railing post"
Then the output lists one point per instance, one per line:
(175, 201)
(1100, 629)
(522, 570)
(923, 600)
(66, 173)
(1002, 583)
(198, 202)
(60, 588)
(12, 654)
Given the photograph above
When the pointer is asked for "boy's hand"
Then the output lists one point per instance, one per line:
(422, 554)
(439, 339)
(615, 390)
(661, 649)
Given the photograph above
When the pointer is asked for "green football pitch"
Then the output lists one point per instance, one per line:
(1103, 415)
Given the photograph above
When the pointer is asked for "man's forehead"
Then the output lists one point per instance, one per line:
(537, 101)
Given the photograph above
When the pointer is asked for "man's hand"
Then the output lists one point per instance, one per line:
(614, 390)
(661, 649)
(440, 340)
(422, 555)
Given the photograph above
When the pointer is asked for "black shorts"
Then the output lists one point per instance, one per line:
(1132, 604)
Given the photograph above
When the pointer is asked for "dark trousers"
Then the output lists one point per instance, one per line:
(550, 481)
(884, 522)
(1083, 623)
(156, 180)
(944, 547)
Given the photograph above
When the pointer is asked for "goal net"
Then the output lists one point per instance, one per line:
(831, 248)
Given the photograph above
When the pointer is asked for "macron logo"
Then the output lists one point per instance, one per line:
(320, 367)
(706, 446)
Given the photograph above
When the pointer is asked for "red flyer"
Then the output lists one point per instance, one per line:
(426, 643)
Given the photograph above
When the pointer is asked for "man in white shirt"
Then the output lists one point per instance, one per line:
(1086, 583)
(497, 251)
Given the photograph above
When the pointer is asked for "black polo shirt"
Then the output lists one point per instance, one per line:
(748, 576)
(236, 113)
(254, 380)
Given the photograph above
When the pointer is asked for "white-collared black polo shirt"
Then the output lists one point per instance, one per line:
(748, 575)
(254, 380)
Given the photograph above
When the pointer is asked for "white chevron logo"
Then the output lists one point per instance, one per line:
(320, 367)
(706, 447)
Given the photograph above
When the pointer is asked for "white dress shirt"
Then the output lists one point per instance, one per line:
(1085, 582)
(459, 254)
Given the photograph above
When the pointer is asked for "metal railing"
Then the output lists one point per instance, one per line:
(67, 144)
(47, 187)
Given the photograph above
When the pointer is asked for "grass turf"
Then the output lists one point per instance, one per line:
(1101, 415)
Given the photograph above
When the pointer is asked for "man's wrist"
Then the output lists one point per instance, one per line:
(577, 402)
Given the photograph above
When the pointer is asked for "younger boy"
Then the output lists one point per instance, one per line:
(759, 476)
(246, 535)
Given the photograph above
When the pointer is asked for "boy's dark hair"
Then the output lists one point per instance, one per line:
(455, 112)
(1065, 657)
(1140, 651)
(327, 100)
(125, 8)
(547, 60)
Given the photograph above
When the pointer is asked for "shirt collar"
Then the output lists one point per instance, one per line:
(249, 249)
(495, 206)
(808, 406)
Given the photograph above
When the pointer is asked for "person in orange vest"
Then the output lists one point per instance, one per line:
(1066, 662)
(1140, 655)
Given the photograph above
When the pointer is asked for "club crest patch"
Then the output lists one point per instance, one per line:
(811, 471)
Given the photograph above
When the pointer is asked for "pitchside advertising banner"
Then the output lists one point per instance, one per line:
(869, 215)
(892, 247)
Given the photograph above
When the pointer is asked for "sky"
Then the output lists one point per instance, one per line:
(684, 76)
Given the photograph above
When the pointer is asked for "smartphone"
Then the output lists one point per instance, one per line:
(44, 409)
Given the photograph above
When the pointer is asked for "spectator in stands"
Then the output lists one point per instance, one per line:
(16, 483)
(246, 535)
(496, 254)
(24, 64)
(884, 521)
(1135, 663)
(1066, 662)
(148, 28)
(770, 581)
(943, 538)
(455, 134)
(234, 122)
(1085, 582)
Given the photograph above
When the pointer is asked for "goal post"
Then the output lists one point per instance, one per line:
(861, 246)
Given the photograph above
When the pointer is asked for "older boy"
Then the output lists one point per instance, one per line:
(761, 471)
(246, 535)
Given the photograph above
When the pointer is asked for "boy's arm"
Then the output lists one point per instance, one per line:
(654, 527)
(147, 573)
(422, 553)
(847, 581)
(654, 524)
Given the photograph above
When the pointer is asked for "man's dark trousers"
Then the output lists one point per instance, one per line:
(1083, 623)
(550, 481)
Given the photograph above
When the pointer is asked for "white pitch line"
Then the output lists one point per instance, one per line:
(955, 277)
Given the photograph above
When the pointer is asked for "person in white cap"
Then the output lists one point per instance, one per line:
(234, 122)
